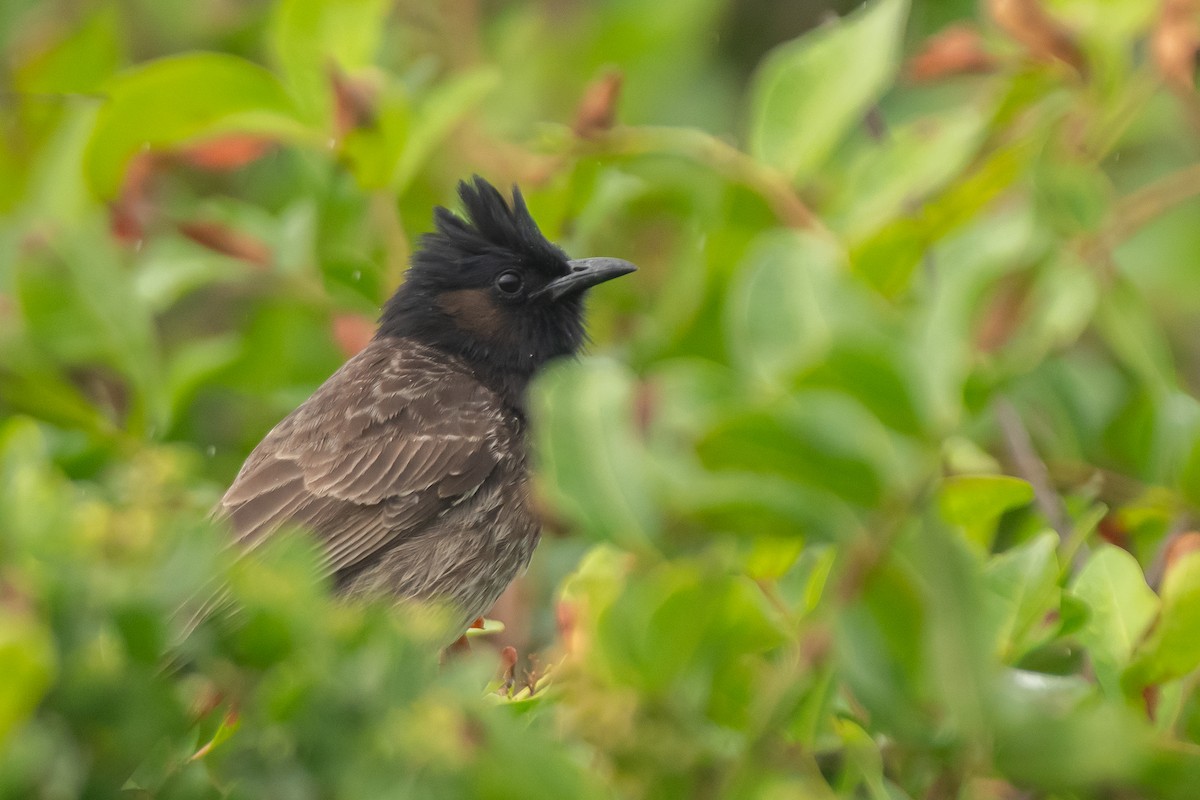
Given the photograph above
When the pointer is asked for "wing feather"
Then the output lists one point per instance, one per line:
(372, 457)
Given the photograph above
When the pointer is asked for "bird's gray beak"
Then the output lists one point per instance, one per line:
(585, 273)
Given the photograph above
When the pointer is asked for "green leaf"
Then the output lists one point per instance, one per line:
(80, 62)
(1127, 323)
(811, 91)
(436, 117)
(775, 317)
(913, 161)
(1025, 582)
(178, 99)
(881, 647)
(596, 469)
(975, 503)
(308, 37)
(818, 438)
(1172, 647)
(1121, 606)
(888, 259)
(27, 662)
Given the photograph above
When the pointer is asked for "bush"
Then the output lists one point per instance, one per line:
(877, 482)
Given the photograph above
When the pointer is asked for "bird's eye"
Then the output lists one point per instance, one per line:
(509, 283)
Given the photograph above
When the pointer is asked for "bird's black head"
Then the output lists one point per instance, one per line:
(492, 289)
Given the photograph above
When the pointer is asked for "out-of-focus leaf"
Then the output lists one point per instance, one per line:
(374, 150)
(1061, 304)
(1121, 606)
(178, 99)
(1071, 196)
(436, 117)
(749, 502)
(890, 256)
(596, 469)
(193, 364)
(27, 661)
(976, 502)
(80, 62)
(1053, 730)
(776, 315)
(961, 644)
(877, 372)
(819, 438)
(1024, 582)
(881, 639)
(1171, 648)
(1126, 323)
(675, 620)
(911, 163)
(309, 38)
(805, 96)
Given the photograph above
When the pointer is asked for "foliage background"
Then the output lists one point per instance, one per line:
(877, 483)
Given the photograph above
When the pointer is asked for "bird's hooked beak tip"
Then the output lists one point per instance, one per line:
(586, 273)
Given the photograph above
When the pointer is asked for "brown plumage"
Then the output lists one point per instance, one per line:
(409, 464)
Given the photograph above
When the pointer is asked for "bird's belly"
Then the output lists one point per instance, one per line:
(467, 558)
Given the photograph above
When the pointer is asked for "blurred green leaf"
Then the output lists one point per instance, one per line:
(596, 470)
(1121, 607)
(805, 98)
(881, 648)
(80, 62)
(436, 117)
(313, 38)
(179, 99)
(28, 663)
(818, 438)
(1171, 647)
(1127, 324)
(776, 319)
(1024, 580)
(976, 502)
(909, 164)
(889, 258)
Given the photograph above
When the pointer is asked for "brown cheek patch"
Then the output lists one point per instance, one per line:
(474, 312)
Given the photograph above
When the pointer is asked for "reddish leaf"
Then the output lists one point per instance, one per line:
(566, 616)
(1180, 546)
(223, 239)
(1150, 697)
(131, 213)
(1113, 531)
(227, 152)
(597, 111)
(352, 332)
(955, 50)
(353, 102)
(1005, 312)
(1043, 36)
(1175, 41)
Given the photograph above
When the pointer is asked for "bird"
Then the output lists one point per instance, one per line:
(410, 464)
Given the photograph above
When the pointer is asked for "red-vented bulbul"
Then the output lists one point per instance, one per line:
(410, 462)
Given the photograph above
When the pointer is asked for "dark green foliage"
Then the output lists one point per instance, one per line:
(875, 484)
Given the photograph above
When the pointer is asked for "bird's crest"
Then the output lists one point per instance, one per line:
(490, 226)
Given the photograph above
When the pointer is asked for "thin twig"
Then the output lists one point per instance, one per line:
(725, 159)
(1137, 209)
(1032, 469)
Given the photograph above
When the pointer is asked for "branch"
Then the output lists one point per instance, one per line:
(725, 159)
(1134, 211)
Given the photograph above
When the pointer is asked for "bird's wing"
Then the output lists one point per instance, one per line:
(385, 445)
